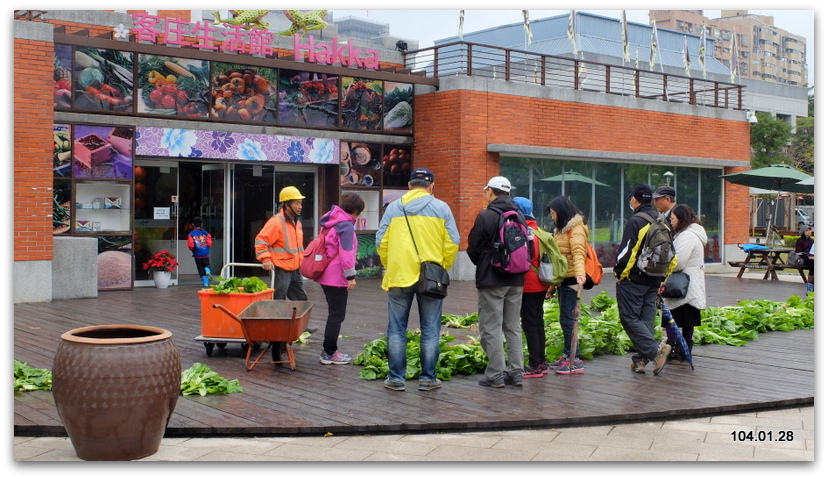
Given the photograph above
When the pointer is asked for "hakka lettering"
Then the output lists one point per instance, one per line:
(333, 53)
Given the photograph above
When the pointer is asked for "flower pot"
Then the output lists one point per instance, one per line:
(161, 278)
(115, 387)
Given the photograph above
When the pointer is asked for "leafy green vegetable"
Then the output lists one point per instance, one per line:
(251, 284)
(599, 333)
(27, 378)
(202, 380)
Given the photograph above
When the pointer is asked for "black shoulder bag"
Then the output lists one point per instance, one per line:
(434, 279)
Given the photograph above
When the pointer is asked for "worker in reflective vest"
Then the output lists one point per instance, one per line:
(279, 246)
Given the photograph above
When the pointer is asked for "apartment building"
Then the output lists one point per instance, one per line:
(763, 51)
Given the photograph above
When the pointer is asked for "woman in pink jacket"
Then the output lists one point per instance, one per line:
(340, 275)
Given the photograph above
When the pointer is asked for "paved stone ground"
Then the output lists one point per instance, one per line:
(696, 439)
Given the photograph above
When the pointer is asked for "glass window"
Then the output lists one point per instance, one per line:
(600, 190)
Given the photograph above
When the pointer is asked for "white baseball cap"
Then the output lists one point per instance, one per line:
(500, 183)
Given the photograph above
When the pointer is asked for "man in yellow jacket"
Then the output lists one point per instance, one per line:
(433, 229)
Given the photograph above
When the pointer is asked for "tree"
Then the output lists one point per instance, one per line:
(769, 140)
(802, 144)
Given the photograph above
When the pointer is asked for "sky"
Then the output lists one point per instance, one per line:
(426, 26)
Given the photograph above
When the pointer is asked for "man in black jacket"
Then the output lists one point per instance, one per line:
(636, 291)
(499, 295)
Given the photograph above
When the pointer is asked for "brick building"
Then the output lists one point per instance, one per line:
(530, 117)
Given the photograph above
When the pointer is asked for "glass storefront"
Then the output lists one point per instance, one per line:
(600, 189)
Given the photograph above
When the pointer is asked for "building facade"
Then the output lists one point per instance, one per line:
(763, 51)
(112, 174)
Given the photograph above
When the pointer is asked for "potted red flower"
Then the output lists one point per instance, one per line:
(162, 264)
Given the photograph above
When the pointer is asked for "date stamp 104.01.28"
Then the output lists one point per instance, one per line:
(763, 436)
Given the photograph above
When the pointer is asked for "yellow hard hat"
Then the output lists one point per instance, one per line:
(289, 193)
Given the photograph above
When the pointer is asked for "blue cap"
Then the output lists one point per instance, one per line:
(525, 206)
(422, 174)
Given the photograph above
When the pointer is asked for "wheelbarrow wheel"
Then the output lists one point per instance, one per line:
(209, 348)
(278, 350)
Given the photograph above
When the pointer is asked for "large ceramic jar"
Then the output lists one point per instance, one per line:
(115, 388)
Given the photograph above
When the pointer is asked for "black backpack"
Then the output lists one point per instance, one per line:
(656, 251)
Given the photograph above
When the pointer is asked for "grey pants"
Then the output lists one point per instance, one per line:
(636, 306)
(499, 318)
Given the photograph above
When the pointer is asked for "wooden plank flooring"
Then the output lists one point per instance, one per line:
(775, 370)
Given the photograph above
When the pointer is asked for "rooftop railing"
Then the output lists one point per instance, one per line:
(473, 59)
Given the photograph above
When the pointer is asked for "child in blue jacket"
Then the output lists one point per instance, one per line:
(199, 242)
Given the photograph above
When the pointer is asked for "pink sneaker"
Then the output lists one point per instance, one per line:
(335, 358)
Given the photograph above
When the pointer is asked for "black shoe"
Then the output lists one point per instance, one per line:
(514, 378)
(495, 382)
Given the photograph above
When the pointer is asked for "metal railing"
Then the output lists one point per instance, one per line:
(473, 59)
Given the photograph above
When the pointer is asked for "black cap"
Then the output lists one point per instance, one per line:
(663, 191)
(422, 174)
(642, 192)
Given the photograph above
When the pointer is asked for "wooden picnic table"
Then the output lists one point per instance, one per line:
(768, 259)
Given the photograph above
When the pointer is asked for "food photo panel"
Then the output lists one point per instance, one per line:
(102, 151)
(173, 86)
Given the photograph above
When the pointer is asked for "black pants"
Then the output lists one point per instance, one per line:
(636, 306)
(337, 298)
(202, 263)
(531, 319)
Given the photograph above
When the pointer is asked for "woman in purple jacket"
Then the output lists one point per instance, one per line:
(340, 275)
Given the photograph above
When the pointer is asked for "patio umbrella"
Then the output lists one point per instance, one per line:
(775, 177)
(685, 349)
(808, 183)
(574, 176)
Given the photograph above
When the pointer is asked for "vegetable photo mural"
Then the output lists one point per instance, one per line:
(173, 86)
(399, 107)
(103, 79)
(243, 93)
(307, 98)
(62, 150)
(63, 77)
(361, 104)
(102, 151)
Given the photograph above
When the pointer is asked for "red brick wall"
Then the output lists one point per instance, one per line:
(33, 146)
(453, 130)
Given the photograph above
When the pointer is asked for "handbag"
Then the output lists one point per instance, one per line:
(434, 279)
(315, 259)
(795, 260)
(676, 285)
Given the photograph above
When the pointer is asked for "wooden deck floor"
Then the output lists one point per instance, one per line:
(774, 371)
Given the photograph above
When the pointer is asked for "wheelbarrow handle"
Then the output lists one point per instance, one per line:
(229, 313)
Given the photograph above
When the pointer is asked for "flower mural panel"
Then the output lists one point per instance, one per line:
(166, 142)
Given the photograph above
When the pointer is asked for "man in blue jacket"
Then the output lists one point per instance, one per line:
(416, 217)
(636, 291)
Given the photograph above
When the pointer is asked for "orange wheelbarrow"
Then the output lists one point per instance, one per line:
(272, 321)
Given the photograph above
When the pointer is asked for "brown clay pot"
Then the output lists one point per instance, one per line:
(115, 388)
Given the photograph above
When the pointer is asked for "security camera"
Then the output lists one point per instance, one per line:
(751, 117)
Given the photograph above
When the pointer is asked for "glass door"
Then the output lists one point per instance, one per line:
(168, 197)
(255, 197)
(156, 215)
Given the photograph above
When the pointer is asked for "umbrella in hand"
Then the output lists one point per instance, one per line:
(685, 349)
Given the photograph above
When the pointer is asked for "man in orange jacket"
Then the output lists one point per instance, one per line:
(279, 246)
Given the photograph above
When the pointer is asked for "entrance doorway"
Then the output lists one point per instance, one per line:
(255, 198)
(168, 195)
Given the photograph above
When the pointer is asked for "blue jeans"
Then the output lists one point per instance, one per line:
(431, 312)
(568, 301)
